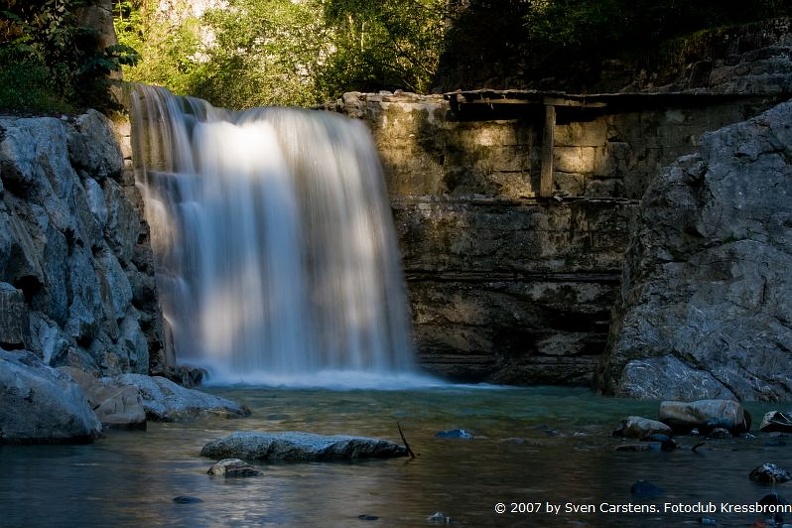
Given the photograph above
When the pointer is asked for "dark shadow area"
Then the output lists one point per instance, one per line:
(584, 45)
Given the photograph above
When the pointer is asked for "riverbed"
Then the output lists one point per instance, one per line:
(543, 455)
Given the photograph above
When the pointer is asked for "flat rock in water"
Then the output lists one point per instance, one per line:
(299, 447)
(165, 401)
(233, 467)
(639, 428)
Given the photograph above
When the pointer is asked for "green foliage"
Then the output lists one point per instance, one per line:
(25, 86)
(166, 48)
(304, 52)
(265, 52)
(383, 45)
(281, 52)
(48, 56)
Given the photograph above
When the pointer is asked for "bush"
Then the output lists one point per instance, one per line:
(51, 61)
(26, 87)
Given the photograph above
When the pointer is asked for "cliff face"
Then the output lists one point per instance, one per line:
(76, 274)
(704, 306)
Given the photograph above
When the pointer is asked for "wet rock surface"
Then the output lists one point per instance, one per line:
(705, 416)
(300, 447)
(769, 474)
(233, 468)
(165, 401)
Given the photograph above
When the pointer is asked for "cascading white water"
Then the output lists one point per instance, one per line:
(273, 240)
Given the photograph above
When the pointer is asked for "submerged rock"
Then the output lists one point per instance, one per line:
(186, 499)
(39, 404)
(645, 489)
(233, 467)
(455, 433)
(300, 447)
(439, 517)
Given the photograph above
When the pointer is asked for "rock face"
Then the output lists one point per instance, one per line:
(706, 293)
(41, 405)
(76, 271)
(300, 447)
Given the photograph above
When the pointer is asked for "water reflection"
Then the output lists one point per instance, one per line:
(537, 445)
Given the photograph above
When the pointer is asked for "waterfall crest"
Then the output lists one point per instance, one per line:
(275, 251)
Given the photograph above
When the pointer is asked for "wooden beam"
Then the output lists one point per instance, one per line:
(548, 141)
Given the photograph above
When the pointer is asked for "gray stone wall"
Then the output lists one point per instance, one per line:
(505, 286)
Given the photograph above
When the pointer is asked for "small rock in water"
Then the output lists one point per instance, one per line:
(638, 428)
(454, 433)
(772, 499)
(719, 433)
(233, 467)
(186, 499)
(769, 474)
(365, 517)
(439, 517)
(775, 421)
(644, 488)
(663, 441)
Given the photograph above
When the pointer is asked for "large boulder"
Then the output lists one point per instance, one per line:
(705, 415)
(299, 447)
(706, 295)
(41, 404)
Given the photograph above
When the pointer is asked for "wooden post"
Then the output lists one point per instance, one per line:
(548, 140)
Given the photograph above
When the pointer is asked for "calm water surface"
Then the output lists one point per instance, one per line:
(531, 445)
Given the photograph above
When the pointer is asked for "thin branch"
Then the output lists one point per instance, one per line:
(406, 445)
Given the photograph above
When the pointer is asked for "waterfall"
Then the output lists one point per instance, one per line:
(274, 245)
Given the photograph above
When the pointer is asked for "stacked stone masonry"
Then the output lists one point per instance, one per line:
(506, 286)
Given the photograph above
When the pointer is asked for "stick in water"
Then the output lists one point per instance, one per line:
(406, 445)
